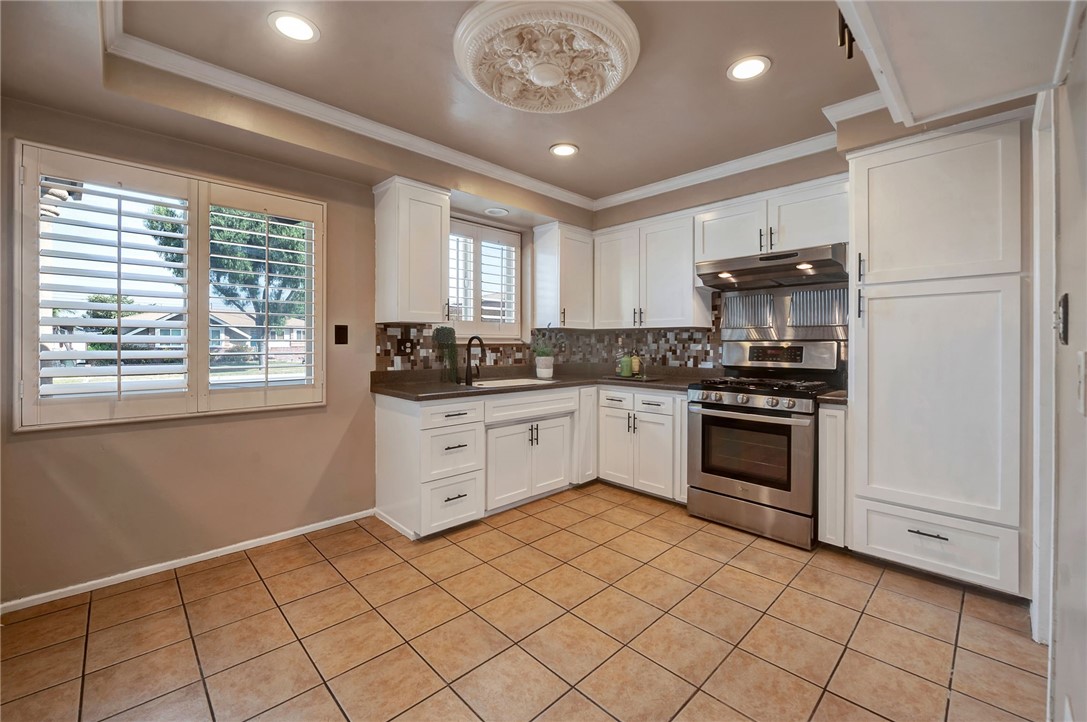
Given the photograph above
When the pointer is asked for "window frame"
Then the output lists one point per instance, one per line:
(33, 412)
(489, 330)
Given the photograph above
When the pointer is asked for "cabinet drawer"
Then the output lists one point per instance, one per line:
(617, 399)
(520, 407)
(452, 501)
(653, 404)
(449, 414)
(453, 450)
(971, 551)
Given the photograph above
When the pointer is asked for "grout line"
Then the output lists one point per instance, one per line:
(199, 663)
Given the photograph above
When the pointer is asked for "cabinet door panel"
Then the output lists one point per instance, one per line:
(552, 455)
(617, 279)
(587, 426)
(616, 461)
(812, 217)
(729, 232)
(654, 453)
(937, 389)
(509, 465)
(832, 490)
(576, 279)
(424, 219)
(668, 297)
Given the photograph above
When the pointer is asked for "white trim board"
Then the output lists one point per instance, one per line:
(853, 107)
(1020, 114)
(44, 597)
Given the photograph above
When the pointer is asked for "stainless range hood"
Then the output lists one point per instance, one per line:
(822, 264)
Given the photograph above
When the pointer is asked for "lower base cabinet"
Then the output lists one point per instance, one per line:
(452, 501)
(524, 460)
(832, 496)
(637, 441)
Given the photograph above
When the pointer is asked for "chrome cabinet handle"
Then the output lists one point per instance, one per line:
(454, 498)
(918, 532)
(458, 446)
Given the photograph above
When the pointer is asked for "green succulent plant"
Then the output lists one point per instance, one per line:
(446, 339)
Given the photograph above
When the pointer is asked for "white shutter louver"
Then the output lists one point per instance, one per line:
(483, 280)
(498, 282)
(461, 278)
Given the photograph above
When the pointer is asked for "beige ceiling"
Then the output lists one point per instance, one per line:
(392, 62)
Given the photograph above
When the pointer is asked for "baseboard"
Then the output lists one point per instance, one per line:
(44, 597)
(394, 524)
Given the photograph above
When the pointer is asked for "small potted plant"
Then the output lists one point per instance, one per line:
(545, 357)
(445, 338)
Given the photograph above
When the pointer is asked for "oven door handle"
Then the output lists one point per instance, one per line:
(780, 420)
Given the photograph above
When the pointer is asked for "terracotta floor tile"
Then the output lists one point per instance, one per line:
(212, 581)
(56, 704)
(421, 611)
(511, 687)
(914, 614)
(591, 505)
(750, 589)
(649, 505)
(833, 708)
(625, 516)
(235, 643)
(903, 648)
(619, 496)
(408, 549)
(574, 706)
(703, 708)
(726, 532)
(597, 530)
(364, 561)
(684, 564)
(680, 516)
(444, 706)
(324, 609)
(639, 546)
(847, 564)
(141, 582)
(519, 613)
(343, 542)
(348, 644)
(34, 671)
(562, 516)
(188, 704)
(657, 695)
(815, 614)
(503, 518)
(710, 545)
(230, 606)
(660, 589)
(261, 683)
(378, 528)
(210, 563)
(783, 550)
(302, 582)
(478, 585)
(717, 615)
(384, 687)
(316, 705)
(535, 507)
(967, 709)
(564, 545)
(277, 545)
(566, 586)
(760, 690)
(490, 544)
(117, 688)
(43, 631)
(999, 684)
(390, 583)
(137, 603)
(529, 529)
(887, 690)
(834, 587)
(803, 653)
(570, 647)
(525, 563)
(617, 613)
(923, 587)
(331, 530)
(665, 530)
(21, 615)
(603, 563)
(778, 568)
(459, 646)
(124, 641)
(1005, 612)
(681, 648)
(445, 562)
(466, 531)
(1003, 644)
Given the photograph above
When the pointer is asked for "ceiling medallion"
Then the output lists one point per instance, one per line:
(546, 57)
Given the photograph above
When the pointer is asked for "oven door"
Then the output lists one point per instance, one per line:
(756, 457)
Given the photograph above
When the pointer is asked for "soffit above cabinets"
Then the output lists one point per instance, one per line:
(937, 59)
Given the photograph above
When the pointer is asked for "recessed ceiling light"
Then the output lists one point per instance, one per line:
(750, 67)
(294, 26)
(803, 266)
(564, 149)
(724, 274)
(496, 211)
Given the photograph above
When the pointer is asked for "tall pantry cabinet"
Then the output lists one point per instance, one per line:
(935, 347)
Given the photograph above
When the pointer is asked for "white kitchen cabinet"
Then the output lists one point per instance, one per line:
(563, 270)
(616, 445)
(617, 273)
(524, 460)
(586, 435)
(730, 231)
(654, 452)
(832, 482)
(680, 492)
(412, 232)
(638, 447)
(939, 208)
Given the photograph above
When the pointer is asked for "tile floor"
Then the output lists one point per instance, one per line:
(595, 603)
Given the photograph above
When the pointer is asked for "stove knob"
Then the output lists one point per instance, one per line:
(789, 403)
(704, 395)
(771, 402)
(717, 396)
(742, 398)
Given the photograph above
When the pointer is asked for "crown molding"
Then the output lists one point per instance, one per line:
(810, 146)
(1072, 24)
(853, 107)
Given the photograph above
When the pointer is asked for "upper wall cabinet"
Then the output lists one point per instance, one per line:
(563, 271)
(939, 209)
(618, 278)
(813, 215)
(412, 222)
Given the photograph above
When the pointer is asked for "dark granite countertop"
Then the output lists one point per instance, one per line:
(439, 390)
(837, 398)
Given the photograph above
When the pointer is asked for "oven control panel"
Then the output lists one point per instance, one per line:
(776, 354)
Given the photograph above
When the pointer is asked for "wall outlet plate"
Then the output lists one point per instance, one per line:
(405, 346)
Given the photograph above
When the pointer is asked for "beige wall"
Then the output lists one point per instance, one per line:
(83, 504)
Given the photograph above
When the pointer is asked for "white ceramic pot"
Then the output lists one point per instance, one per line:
(545, 367)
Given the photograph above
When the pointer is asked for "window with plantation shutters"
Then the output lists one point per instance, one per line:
(484, 280)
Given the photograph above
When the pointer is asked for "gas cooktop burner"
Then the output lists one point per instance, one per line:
(764, 384)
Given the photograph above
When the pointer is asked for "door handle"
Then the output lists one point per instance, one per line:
(628, 422)
(760, 242)
(771, 238)
(635, 423)
(562, 317)
(633, 317)
(454, 498)
(612, 398)
(918, 532)
(458, 446)
(641, 316)
(858, 303)
(459, 413)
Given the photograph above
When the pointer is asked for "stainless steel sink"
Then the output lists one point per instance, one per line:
(503, 383)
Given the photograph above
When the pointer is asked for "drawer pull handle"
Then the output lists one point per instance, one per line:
(918, 532)
(458, 446)
(454, 498)
(459, 413)
(651, 403)
(612, 398)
